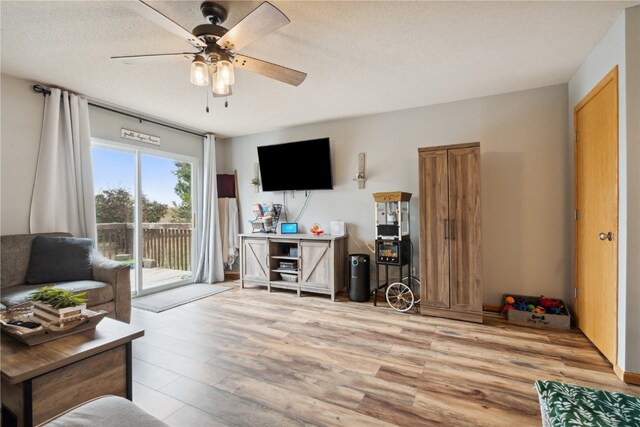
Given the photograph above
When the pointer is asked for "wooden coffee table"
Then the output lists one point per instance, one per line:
(44, 380)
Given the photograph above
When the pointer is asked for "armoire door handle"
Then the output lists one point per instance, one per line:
(446, 229)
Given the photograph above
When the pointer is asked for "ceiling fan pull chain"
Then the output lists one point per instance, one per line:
(226, 103)
(207, 90)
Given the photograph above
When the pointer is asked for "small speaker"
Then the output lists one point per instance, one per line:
(338, 228)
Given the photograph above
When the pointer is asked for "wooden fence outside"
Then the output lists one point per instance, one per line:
(168, 244)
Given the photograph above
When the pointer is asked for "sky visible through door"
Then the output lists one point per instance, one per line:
(111, 170)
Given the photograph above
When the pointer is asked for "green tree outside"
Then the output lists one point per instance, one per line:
(116, 205)
(182, 212)
(152, 211)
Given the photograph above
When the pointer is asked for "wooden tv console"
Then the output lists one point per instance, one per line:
(300, 262)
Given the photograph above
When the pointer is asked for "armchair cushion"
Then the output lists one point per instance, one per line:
(97, 292)
(59, 259)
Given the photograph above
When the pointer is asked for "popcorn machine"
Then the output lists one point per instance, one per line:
(393, 242)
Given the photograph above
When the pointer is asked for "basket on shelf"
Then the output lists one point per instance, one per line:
(287, 277)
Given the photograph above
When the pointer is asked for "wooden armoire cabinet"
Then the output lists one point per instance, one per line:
(450, 232)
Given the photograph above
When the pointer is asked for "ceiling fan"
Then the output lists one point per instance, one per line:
(216, 56)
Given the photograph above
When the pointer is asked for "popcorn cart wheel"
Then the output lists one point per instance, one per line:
(401, 295)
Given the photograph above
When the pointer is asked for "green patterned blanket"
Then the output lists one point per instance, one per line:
(571, 405)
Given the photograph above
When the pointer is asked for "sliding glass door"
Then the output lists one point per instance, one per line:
(167, 223)
(144, 211)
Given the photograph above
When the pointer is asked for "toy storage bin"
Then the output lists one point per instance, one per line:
(546, 320)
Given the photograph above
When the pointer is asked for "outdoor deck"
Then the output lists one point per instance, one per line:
(165, 245)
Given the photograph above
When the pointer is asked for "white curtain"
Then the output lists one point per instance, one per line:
(210, 265)
(63, 197)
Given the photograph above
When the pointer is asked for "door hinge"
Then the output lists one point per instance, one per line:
(575, 136)
(575, 293)
(576, 214)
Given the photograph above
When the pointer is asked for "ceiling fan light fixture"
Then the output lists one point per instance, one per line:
(199, 71)
(217, 85)
(224, 69)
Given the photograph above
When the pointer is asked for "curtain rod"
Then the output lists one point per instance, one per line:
(44, 91)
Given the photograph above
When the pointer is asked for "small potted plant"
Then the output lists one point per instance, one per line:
(58, 305)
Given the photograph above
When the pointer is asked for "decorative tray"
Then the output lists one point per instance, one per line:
(46, 332)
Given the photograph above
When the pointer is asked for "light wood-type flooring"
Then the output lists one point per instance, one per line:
(246, 357)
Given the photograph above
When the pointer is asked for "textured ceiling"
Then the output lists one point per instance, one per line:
(361, 57)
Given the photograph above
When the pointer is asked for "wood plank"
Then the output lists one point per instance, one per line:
(13, 397)
(228, 407)
(292, 376)
(434, 229)
(465, 238)
(154, 402)
(177, 345)
(323, 352)
(277, 359)
(152, 376)
(387, 411)
(307, 408)
(20, 362)
(628, 377)
(64, 388)
(446, 147)
(191, 416)
(184, 366)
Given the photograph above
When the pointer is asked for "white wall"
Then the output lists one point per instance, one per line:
(632, 359)
(20, 125)
(620, 47)
(525, 182)
(20, 139)
(106, 125)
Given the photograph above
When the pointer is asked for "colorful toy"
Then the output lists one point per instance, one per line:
(532, 305)
(548, 302)
(503, 312)
(316, 230)
(552, 306)
(521, 304)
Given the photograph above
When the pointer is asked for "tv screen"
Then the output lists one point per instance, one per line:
(301, 165)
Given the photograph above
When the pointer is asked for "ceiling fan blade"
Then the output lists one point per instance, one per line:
(260, 22)
(165, 22)
(277, 72)
(154, 57)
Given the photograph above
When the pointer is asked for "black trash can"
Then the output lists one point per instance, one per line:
(359, 277)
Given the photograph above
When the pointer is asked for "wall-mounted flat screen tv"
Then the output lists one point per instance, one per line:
(300, 165)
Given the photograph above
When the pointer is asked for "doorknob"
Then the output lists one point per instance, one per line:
(606, 236)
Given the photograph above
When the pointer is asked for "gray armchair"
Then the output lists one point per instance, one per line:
(108, 286)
